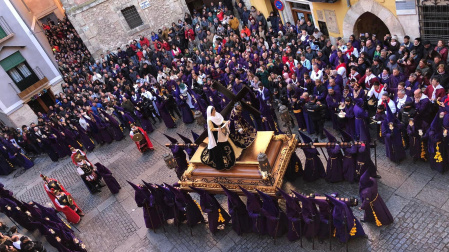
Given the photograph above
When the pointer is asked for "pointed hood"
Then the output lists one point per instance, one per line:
(359, 102)
(195, 136)
(330, 137)
(390, 116)
(436, 123)
(346, 137)
(253, 203)
(172, 140)
(134, 186)
(289, 201)
(233, 197)
(307, 205)
(185, 139)
(269, 206)
(305, 138)
(341, 211)
(365, 181)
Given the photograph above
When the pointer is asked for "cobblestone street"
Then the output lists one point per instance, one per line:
(416, 196)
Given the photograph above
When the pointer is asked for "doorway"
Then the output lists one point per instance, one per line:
(301, 11)
(368, 22)
(49, 18)
(42, 102)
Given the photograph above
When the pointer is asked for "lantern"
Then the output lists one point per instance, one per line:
(264, 165)
(170, 161)
(199, 118)
(286, 118)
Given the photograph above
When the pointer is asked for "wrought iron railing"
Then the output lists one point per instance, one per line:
(434, 20)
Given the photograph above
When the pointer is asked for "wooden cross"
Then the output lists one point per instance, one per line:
(234, 98)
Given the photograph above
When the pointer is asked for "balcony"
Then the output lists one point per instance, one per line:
(38, 84)
(5, 27)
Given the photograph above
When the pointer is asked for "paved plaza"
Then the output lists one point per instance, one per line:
(416, 196)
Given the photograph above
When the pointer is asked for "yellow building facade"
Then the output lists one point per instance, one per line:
(342, 18)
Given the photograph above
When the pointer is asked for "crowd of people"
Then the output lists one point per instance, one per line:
(362, 85)
(33, 216)
(355, 83)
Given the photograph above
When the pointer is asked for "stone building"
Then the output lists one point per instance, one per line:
(108, 24)
(28, 73)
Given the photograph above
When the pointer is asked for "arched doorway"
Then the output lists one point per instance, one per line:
(371, 6)
(368, 22)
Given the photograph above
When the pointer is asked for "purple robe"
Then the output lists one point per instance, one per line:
(216, 215)
(294, 215)
(310, 215)
(186, 204)
(277, 223)
(361, 116)
(375, 209)
(334, 169)
(86, 141)
(145, 122)
(145, 199)
(394, 147)
(350, 120)
(241, 223)
(345, 223)
(181, 160)
(110, 181)
(254, 208)
(415, 143)
(166, 117)
(186, 112)
(116, 130)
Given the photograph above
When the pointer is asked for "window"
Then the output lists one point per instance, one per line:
(132, 17)
(2, 33)
(19, 71)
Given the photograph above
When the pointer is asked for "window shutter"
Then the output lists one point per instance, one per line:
(2, 33)
(12, 60)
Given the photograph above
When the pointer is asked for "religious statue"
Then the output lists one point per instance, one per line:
(242, 133)
(221, 151)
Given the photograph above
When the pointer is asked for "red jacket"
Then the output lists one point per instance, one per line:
(189, 34)
(144, 41)
(438, 94)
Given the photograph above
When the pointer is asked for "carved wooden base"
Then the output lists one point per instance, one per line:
(245, 173)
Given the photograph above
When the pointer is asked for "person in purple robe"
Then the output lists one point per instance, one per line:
(56, 144)
(70, 137)
(333, 99)
(94, 131)
(379, 117)
(164, 210)
(6, 167)
(372, 203)
(102, 130)
(416, 143)
(324, 210)
(190, 150)
(186, 112)
(268, 119)
(254, 208)
(187, 205)
(84, 138)
(145, 199)
(435, 144)
(277, 223)
(172, 211)
(293, 212)
(361, 117)
(345, 223)
(110, 181)
(310, 216)
(349, 158)
(19, 159)
(179, 155)
(163, 112)
(313, 168)
(294, 168)
(297, 107)
(349, 117)
(216, 215)
(364, 161)
(241, 222)
(116, 129)
(394, 146)
(334, 169)
(144, 121)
